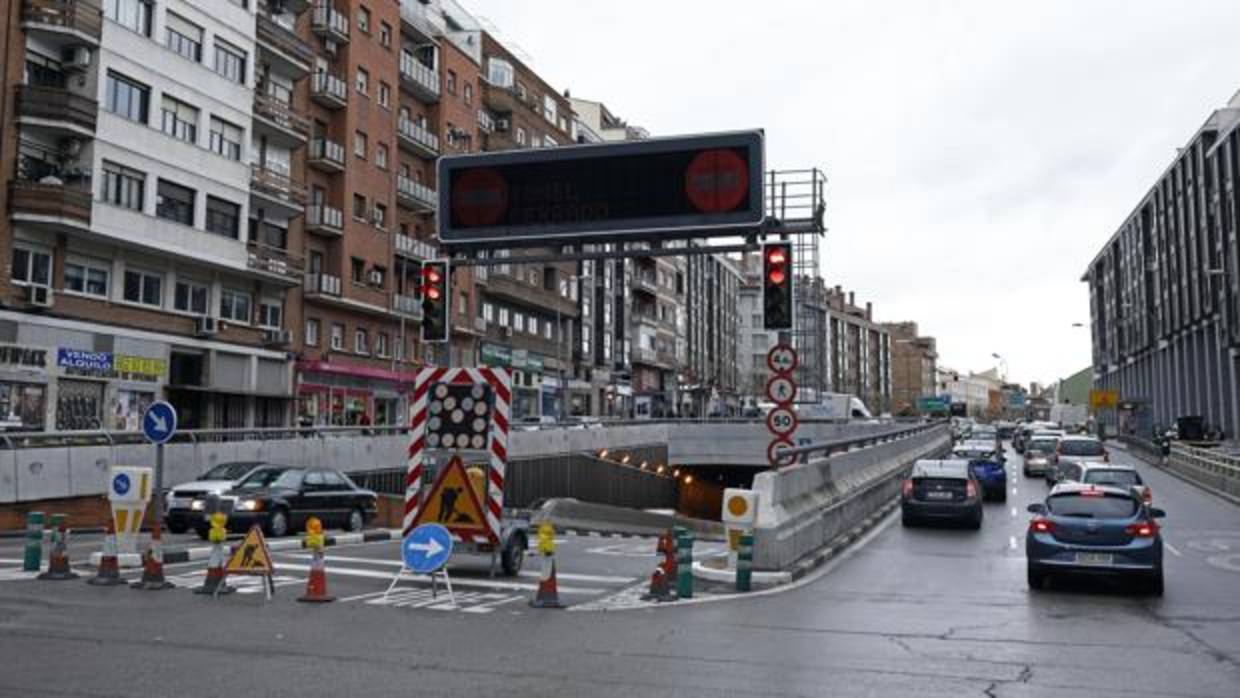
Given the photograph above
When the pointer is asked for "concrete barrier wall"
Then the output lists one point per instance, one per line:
(804, 507)
(746, 443)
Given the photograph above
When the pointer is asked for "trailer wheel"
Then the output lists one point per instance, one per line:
(513, 556)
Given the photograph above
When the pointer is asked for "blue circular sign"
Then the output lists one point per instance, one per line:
(159, 422)
(121, 484)
(426, 549)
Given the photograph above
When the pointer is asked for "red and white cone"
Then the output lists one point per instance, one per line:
(660, 588)
(153, 566)
(667, 548)
(214, 583)
(548, 594)
(109, 572)
(316, 584)
(58, 558)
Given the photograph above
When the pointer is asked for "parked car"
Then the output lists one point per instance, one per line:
(179, 501)
(1117, 476)
(1094, 529)
(988, 465)
(281, 498)
(941, 490)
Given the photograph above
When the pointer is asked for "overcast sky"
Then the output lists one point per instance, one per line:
(979, 152)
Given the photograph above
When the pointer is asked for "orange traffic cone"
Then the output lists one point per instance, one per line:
(548, 594)
(214, 583)
(109, 572)
(660, 589)
(668, 549)
(58, 558)
(316, 584)
(153, 566)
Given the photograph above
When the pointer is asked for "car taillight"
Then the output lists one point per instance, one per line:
(1042, 526)
(970, 489)
(907, 488)
(1145, 529)
(1147, 495)
(1093, 491)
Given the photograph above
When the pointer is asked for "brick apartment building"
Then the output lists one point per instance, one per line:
(914, 368)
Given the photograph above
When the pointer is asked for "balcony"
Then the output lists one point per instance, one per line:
(419, 79)
(417, 139)
(503, 99)
(329, 24)
(286, 52)
(275, 262)
(408, 306)
(277, 188)
(508, 287)
(319, 284)
(50, 203)
(647, 319)
(648, 357)
(645, 282)
(326, 155)
(58, 109)
(69, 21)
(481, 274)
(415, 196)
(324, 220)
(423, 25)
(329, 90)
(414, 249)
(279, 122)
(486, 122)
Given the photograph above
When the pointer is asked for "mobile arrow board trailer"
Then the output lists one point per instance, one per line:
(458, 457)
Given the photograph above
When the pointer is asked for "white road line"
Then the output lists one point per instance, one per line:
(456, 581)
(601, 579)
(1171, 549)
(1014, 512)
(1011, 542)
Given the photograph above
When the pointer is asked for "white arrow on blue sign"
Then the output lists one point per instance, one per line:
(159, 422)
(426, 549)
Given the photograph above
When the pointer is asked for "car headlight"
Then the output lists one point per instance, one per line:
(197, 505)
(250, 505)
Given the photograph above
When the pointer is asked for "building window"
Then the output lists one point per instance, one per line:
(549, 109)
(518, 322)
(381, 156)
(337, 337)
(183, 37)
(488, 312)
(533, 326)
(450, 84)
(385, 35)
(271, 314)
(122, 186)
(358, 268)
(379, 276)
(363, 20)
(363, 81)
(385, 95)
(520, 135)
(462, 304)
(468, 93)
(380, 216)
(179, 120)
(503, 317)
(361, 343)
(235, 305)
(90, 278)
(174, 202)
(223, 217)
(548, 330)
(359, 207)
(143, 287)
(32, 267)
(381, 345)
(126, 98)
(190, 297)
(226, 138)
(134, 15)
(230, 61)
(312, 332)
(359, 144)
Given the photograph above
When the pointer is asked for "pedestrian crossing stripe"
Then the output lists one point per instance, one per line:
(252, 556)
(466, 601)
(453, 502)
(243, 585)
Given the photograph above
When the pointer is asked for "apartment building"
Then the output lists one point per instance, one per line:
(709, 377)
(1164, 291)
(860, 361)
(130, 171)
(913, 367)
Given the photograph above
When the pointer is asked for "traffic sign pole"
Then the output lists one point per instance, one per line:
(159, 486)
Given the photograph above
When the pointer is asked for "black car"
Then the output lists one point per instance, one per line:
(281, 499)
(941, 490)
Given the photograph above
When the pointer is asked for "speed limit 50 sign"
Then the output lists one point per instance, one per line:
(781, 421)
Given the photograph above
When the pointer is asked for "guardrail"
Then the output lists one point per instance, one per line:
(1206, 460)
(834, 446)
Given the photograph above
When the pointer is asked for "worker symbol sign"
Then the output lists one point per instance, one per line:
(252, 556)
(453, 502)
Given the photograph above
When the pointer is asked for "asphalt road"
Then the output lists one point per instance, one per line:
(906, 612)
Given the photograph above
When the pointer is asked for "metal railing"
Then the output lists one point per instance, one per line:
(273, 260)
(57, 104)
(278, 185)
(326, 219)
(415, 248)
(829, 448)
(1206, 460)
(326, 151)
(82, 16)
(417, 134)
(419, 74)
(327, 22)
(416, 192)
(329, 89)
(280, 37)
(280, 114)
(323, 284)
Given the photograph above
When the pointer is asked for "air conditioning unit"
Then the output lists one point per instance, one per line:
(277, 338)
(206, 326)
(76, 58)
(39, 296)
(502, 124)
(376, 278)
(375, 218)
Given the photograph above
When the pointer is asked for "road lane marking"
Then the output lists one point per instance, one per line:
(456, 581)
(572, 577)
(1011, 542)
(1171, 549)
(1014, 512)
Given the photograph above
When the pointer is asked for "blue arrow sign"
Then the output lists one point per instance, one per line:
(120, 484)
(159, 422)
(426, 548)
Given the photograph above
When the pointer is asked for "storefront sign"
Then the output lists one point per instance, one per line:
(519, 359)
(102, 364)
(87, 361)
(140, 368)
(496, 354)
(24, 357)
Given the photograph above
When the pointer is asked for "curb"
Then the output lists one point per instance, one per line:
(728, 576)
(175, 556)
(593, 533)
(835, 547)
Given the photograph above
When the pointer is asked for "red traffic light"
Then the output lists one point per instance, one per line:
(777, 276)
(776, 255)
(432, 275)
(432, 293)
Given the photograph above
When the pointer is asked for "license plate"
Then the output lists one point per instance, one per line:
(1094, 559)
(939, 495)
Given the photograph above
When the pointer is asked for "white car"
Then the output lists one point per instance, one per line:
(1119, 476)
(179, 501)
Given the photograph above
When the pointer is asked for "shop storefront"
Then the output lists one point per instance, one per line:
(338, 394)
(24, 378)
(529, 393)
(99, 389)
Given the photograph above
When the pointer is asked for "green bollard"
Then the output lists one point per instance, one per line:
(744, 562)
(684, 564)
(34, 541)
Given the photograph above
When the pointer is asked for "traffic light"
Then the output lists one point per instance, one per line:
(777, 286)
(435, 301)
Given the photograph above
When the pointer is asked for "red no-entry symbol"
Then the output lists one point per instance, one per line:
(479, 197)
(716, 181)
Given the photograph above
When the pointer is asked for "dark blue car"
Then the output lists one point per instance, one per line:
(1095, 530)
(988, 465)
